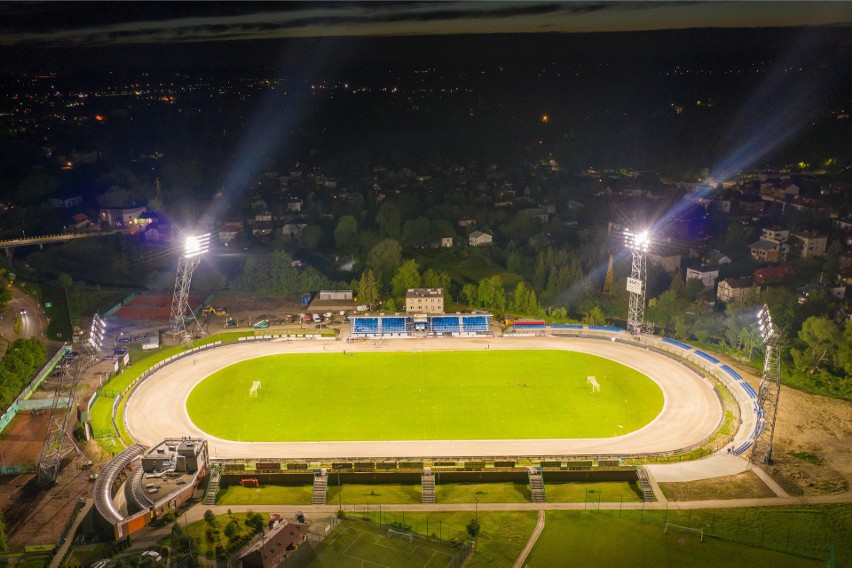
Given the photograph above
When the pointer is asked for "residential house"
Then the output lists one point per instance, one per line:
(272, 548)
(294, 206)
(466, 221)
(735, 289)
(717, 257)
(66, 202)
(706, 274)
(805, 291)
(772, 246)
(229, 231)
(80, 221)
(666, 257)
(121, 216)
(480, 239)
(293, 228)
(446, 242)
(424, 301)
(808, 244)
(774, 274)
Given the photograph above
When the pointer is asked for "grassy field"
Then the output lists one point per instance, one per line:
(355, 544)
(502, 535)
(370, 494)
(483, 492)
(756, 537)
(593, 492)
(741, 486)
(266, 495)
(450, 395)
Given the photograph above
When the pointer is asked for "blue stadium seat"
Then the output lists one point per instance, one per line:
(677, 343)
(731, 372)
(444, 324)
(567, 326)
(605, 328)
(748, 388)
(393, 325)
(365, 326)
(706, 356)
(475, 324)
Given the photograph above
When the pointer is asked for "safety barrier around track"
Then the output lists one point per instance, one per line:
(742, 392)
(751, 423)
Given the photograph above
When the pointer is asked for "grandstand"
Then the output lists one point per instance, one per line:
(436, 325)
(529, 327)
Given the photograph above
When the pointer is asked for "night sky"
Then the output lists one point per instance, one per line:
(106, 23)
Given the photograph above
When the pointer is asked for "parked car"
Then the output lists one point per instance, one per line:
(123, 339)
(120, 351)
(322, 326)
(102, 563)
(152, 554)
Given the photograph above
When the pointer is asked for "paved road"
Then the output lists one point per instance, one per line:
(21, 307)
(539, 527)
(691, 410)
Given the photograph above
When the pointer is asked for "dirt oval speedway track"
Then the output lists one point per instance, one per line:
(691, 411)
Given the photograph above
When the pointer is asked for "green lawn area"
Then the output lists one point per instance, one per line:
(355, 544)
(484, 492)
(757, 537)
(502, 535)
(593, 492)
(448, 395)
(369, 494)
(207, 541)
(265, 495)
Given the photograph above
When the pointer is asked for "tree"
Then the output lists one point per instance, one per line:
(368, 290)
(346, 234)
(311, 237)
(255, 522)
(473, 528)
(388, 219)
(385, 257)
(594, 316)
(2, 536)
(748, 340)
(35, 188)
(209, 517)
(469, 293)
(609, 281)
(406, 277)
(821, 338)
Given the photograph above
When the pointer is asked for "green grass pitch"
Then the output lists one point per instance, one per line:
(353, 544)
(459, 395)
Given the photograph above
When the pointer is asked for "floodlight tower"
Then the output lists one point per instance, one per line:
(770, 390)
(194, 248)
(638, 244)
(95, 342)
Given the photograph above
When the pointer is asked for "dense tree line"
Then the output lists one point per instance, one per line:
(22, 358)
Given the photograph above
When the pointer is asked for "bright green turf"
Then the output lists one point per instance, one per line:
(459, 395)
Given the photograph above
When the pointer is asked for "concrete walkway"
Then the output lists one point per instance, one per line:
(69, 538)
(539, 526)
(771, 483)
(718, 465)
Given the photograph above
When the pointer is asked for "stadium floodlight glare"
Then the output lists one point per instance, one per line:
(637, 241)
(196, 245)
(764, 323)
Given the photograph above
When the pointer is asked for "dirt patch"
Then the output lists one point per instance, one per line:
(247, 311)
(745, 485)
(23, 439)
(812, 450)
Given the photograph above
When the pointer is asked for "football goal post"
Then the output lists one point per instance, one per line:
(399, 534)
(674, 527)
(594, 382)
(255, 386)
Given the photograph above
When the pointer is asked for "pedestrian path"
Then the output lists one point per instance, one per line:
(539, 526)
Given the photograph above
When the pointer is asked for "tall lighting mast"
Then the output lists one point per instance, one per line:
(194, 248)
(770, 390)
(638, 244)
